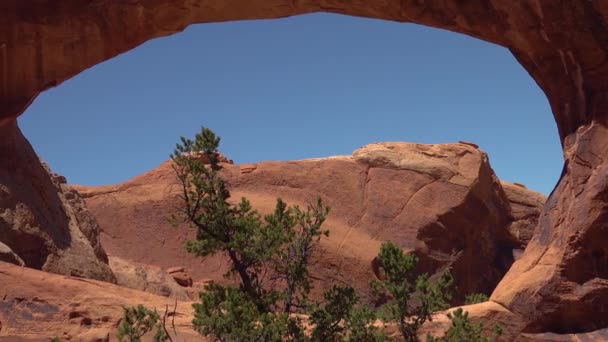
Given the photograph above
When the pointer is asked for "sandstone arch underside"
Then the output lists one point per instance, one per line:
(561, 282)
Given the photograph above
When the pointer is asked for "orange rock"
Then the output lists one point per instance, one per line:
(560, 283)
(175, 269)
(434, 200)
(182, 278)
(147, 278)
(37, 306)
(248, 168)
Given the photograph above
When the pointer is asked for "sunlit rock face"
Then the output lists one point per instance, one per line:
(560, 284)
(443, 202)
(562, 44)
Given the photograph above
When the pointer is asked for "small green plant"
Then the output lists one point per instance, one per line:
(461, 329)
(410, 300)
(475, 298)
(55, 339)
(139, 320)
(342, 318)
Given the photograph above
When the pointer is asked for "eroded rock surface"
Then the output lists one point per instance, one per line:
(37, 306)
(490, 314)
(147, 278)
(441, 201)
(526, 206)
(561, 281)
(42, 220)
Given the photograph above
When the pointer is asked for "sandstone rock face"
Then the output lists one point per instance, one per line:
(487, 313)
(561, 281)
(593, 336)
(146, 278)
(490, 313)
(37, 306)
(526, 206)
(441, 201)
(42, 220)
(562, 44)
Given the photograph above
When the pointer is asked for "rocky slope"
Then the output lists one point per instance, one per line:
(37, 306)
(441, 201)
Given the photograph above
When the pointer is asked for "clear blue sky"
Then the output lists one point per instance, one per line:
(300, 87)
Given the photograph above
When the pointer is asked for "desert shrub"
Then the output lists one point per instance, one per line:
(410, 300)
(342, 318)
(139, 320)
(462, 329)
(475, 298)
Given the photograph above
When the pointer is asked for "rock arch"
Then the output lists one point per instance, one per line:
(562, 44)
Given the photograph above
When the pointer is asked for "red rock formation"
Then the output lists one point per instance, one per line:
(43, 221)
(526, 206)
(37, 306)
(562, 44)
(148, 278)
(434, 199)
(561, 282)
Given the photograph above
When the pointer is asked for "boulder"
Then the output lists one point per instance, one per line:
(180, 275)
(147, 278)
(7, 255)
(182, 278)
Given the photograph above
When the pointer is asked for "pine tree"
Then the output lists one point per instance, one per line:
(269, 255)
(411, 300)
